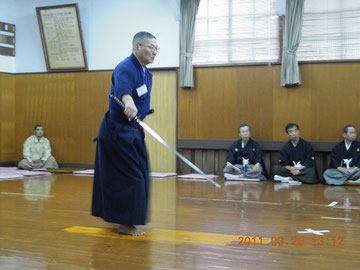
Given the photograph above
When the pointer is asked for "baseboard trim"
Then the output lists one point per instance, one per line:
(76, 165)
(8, 163)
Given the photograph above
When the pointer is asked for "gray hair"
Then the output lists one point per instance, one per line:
(346, 128)
(141, 36)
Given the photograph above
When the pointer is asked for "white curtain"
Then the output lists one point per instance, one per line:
(290, 71)
(189, 10)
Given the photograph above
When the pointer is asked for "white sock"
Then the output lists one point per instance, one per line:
(281, 178)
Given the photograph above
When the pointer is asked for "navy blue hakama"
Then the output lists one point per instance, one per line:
(121, 180)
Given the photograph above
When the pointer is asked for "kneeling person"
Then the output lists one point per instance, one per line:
(37, 152)
(297, 160)
(244, 157)
(345, 160)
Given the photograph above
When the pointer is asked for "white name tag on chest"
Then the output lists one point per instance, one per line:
(142, 90)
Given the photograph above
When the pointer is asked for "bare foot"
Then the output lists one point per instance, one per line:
(129, 229)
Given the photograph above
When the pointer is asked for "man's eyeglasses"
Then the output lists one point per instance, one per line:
(153, 48)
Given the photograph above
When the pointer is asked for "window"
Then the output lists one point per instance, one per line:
(233, 31)
(249, 31)
(331, 30)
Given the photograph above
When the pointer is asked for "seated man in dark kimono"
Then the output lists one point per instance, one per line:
(345, 160)
(297, 162)
(121, 179)
(244, 157)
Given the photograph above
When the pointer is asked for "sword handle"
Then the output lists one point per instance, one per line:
(122, 105)
(151, 111)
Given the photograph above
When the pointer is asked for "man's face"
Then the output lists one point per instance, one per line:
(351, 134)
(244, 133)
(39, 131)
(146, 51)
(293, 133)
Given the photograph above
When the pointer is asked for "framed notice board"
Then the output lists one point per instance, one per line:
(61, 37)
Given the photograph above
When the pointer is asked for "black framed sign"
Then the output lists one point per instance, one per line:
(61, 37)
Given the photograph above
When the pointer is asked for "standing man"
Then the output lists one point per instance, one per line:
(37, 152)
(244, 157)
(121, 180)
(345, 160)
(297, 160)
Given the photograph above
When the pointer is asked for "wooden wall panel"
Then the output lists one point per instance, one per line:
(291, 105)
(69, 105)
(163, 121)
(7, 117)
(46, 99)
(224, 97)
(91, 102)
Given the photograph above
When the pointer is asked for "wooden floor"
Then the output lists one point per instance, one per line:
(45, 223)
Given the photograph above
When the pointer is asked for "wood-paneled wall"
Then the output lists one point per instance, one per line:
(7, 117)
(70, 106)
(225, 97)
(163, 121)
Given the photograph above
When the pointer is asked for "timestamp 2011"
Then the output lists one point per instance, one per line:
(297, 241)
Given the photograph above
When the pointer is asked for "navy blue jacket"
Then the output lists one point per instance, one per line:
(251, 151)
(303, 152)
(339, 153)
(127, 77)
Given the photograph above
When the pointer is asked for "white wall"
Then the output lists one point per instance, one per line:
(108, 27)
(115, 24)
(7, 14)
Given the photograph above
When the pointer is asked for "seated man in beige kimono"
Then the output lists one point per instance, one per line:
(37, 152)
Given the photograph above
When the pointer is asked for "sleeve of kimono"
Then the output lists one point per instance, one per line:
(257, 153)
(336, 157)
(231, 154)
(47, 150)
(357, 164)
(309, 156)
(26, 150)
(284, 161)
(123, 81)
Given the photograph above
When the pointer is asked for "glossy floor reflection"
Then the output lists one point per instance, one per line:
(193, 226)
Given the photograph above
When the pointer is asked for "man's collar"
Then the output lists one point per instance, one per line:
(347, 145)
(135, 60)
(295, 144)
(36, 139)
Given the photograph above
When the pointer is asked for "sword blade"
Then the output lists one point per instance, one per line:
(188, 162)
(161, 140)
